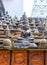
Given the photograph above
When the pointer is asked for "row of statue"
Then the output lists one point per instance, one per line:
(33, 25)
(21, 33)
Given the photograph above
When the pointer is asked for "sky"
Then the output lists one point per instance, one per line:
(28, 6)
(17, 7)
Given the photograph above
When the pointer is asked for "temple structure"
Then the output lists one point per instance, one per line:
(24, 41)
(2, 9)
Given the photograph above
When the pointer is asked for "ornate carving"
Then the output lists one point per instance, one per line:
(19, 58)
(36, 58)
(4, 57)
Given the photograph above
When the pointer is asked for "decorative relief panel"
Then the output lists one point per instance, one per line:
(4, 58)
(19, 58)
(36, 58)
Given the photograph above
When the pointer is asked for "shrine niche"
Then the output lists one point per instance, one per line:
(4, 57)
(36, 58)
(19, 58)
